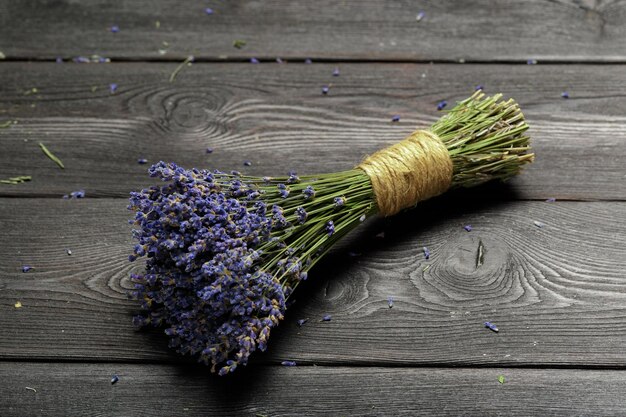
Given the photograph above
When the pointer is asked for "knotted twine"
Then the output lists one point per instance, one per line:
(415, 169)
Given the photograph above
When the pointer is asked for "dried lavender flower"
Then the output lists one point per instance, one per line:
(225, 251)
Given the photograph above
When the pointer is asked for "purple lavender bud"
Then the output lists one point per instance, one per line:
(26, 268)
(308, 61)
(551, 200)
(254, 61)
(336, 72)
(115, 29)
(468, 228)
(59, 60)
(491, 326)
(395, 118)
(330, 228)
(77, 194)
(81, 60)
(327, 317)
(68, 251)
(308, 192)
(209, 150)
(426, 252)
(142, 161)
(112, 88)
(247, 163)
(479, 87)
(538, 224)
(339, 201)
(208, 11)
(442, 104)
(288, 363)
(114, 379)
(301, 322)
(279, 61)
(531, 62)
(390, 301)
(420, 16)
(565, 94)
(325, 90)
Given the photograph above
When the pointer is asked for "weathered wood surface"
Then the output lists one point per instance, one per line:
(484, 30)
(73, 390)
(558, 293)
(276, 116)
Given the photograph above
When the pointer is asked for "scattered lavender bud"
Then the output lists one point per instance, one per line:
(538, 224)
(288, 363)
(209, 150)
(327, 317)
(247, 163)
(208, 11)
(551, 200)
(77, 194)
(420, 16)
(336, 72)
(395, 118)
(390, 301)
(279, 61)
(115, 29)
(565, 94)
(441, 104)
(479, 87)
(142, 161)
(26, 268)
(468, 227)
(325, 90)
(68, 251)
(302, 321)
(254, 61)
(308, 61)
(362, 218)
(426, 252)
(114, 379)
(531, 62)
(59, 60)
(81, 60)
(491, 326)
(112, 88)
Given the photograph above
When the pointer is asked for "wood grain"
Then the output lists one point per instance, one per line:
(558, 293)
(484, 30)
(276, 116)
(84, 390)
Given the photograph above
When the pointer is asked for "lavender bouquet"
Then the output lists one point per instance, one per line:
(225, 251)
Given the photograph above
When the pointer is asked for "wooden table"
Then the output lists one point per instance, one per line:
(557, 292)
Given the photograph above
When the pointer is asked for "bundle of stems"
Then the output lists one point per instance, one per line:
(225, 251)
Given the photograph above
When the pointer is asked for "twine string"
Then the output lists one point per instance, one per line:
(415, 169)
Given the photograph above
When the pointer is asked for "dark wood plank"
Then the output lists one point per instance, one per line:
(84, 390)
(450, 30)
(276, 116)
(558, 293)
